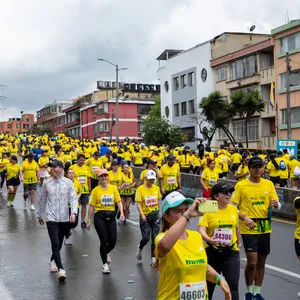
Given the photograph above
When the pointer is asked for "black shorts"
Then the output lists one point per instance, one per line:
(94, 183)
(15, 181)
(128, 196)
(30, 187)
(84, 199)
(259, 243)
(275, 180)
(297, 247)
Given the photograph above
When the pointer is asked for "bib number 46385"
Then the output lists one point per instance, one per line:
(193, 291)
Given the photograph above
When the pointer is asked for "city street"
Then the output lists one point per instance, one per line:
(25, 252)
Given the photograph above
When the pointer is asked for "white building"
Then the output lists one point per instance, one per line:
(185, 78)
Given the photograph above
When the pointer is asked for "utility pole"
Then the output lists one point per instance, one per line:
(117, 104)
(288, 100)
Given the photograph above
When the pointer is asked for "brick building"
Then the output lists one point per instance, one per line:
(25, 124)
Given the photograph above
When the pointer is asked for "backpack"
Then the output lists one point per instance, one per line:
(282, 165)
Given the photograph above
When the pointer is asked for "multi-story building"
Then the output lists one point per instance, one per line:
(98, 118)
(187, 77)
(287, 40)
(25, 124)
(250, 68)
(46, 115)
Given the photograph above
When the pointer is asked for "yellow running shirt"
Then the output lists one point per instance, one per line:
(115, 178)
(29, 171)
(222, 225)
(149, 198)
(170, 177)
(94, 165)
(127, 183)
(297, 231)
(13, 171)
(183, 269)
(3, 161)
(210, 177)
(105, 199)
(254, 201)
(242, 170)
(81, 174)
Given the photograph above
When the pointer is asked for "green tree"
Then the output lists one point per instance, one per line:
(246, 105)
(218, 113)
(158, 131)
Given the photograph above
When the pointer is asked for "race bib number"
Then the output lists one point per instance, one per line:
(171, 180)
(223, 159)
(151, 201)
(223, 235)
(126, 185)
(95, 168)
(82, 179)
(107, 200)
(193, 291)
(212, 181)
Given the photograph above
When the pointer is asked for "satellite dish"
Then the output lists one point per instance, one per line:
(252, 28)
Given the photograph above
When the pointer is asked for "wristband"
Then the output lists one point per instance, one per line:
(187, 219)
(89, 219)
(219, 278)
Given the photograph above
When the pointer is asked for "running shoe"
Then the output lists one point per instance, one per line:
(139, 253)
(83, 224)
(61, 275)
(8, 204)
(68, 241)
(11, 204)
(105, 269)
(299, 295)
(258, 297)
(25, 206)
(153, 261)
(108, 259)
(248, 296)
(53, 266)
(32, 208)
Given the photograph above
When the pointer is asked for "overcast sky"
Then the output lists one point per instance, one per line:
(49, 49)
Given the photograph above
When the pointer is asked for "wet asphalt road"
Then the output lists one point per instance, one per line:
(25, 253)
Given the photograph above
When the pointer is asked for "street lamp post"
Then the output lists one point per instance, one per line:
(117, 94)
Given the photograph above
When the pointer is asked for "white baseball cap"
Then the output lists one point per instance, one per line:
(151, 174)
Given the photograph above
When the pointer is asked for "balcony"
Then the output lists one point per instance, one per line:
(268, 142)
(245, 81)
(267, 75)
(73, 123)
(268, 112)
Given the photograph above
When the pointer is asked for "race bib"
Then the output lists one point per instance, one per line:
(193, 291)
(223, 159)
(151, 201)
(82, 179)
(126, 185)
(171, 180)
(212, 181)
(107, 200)
(223, 235)
(95, 168)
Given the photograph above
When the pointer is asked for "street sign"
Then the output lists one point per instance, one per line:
(290, 145)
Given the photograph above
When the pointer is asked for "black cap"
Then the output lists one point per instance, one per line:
(96, 153)
(152, 162)
(221, 188)
(56, 163)
(255, 161)
(30, 156)
(114, 163)
(171, 157)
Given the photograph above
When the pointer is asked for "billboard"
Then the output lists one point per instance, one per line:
(290, 145)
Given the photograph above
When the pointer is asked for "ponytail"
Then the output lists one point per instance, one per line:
(274, 162)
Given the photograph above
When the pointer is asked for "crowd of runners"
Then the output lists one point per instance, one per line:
(84, 180)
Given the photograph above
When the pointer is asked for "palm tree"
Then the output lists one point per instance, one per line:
(217, 112)
(246, 105)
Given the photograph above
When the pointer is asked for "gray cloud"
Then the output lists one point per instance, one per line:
(49, 49)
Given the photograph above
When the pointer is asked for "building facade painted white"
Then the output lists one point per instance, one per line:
(185, 79)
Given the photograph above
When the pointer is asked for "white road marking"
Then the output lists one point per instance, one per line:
(4, 292)
(283, 271)
(133, 223)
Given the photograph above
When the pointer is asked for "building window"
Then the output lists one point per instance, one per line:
(244, 67)
(166, 86)
(18, 125)
(191, 79)
(222, 134)
(176, 83)
(95, 128)
(221, 74)
(59, 121)
(183, 108)
(191, 107)
(183, 81)
(140, 127)
(294, 79)
(59, 109)
(103, 126)
(239, 130)
(176, 110)
(295, 115)
(9, 126)
(189, 133)
(290, 42)
(143, 109)
(25, 126)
